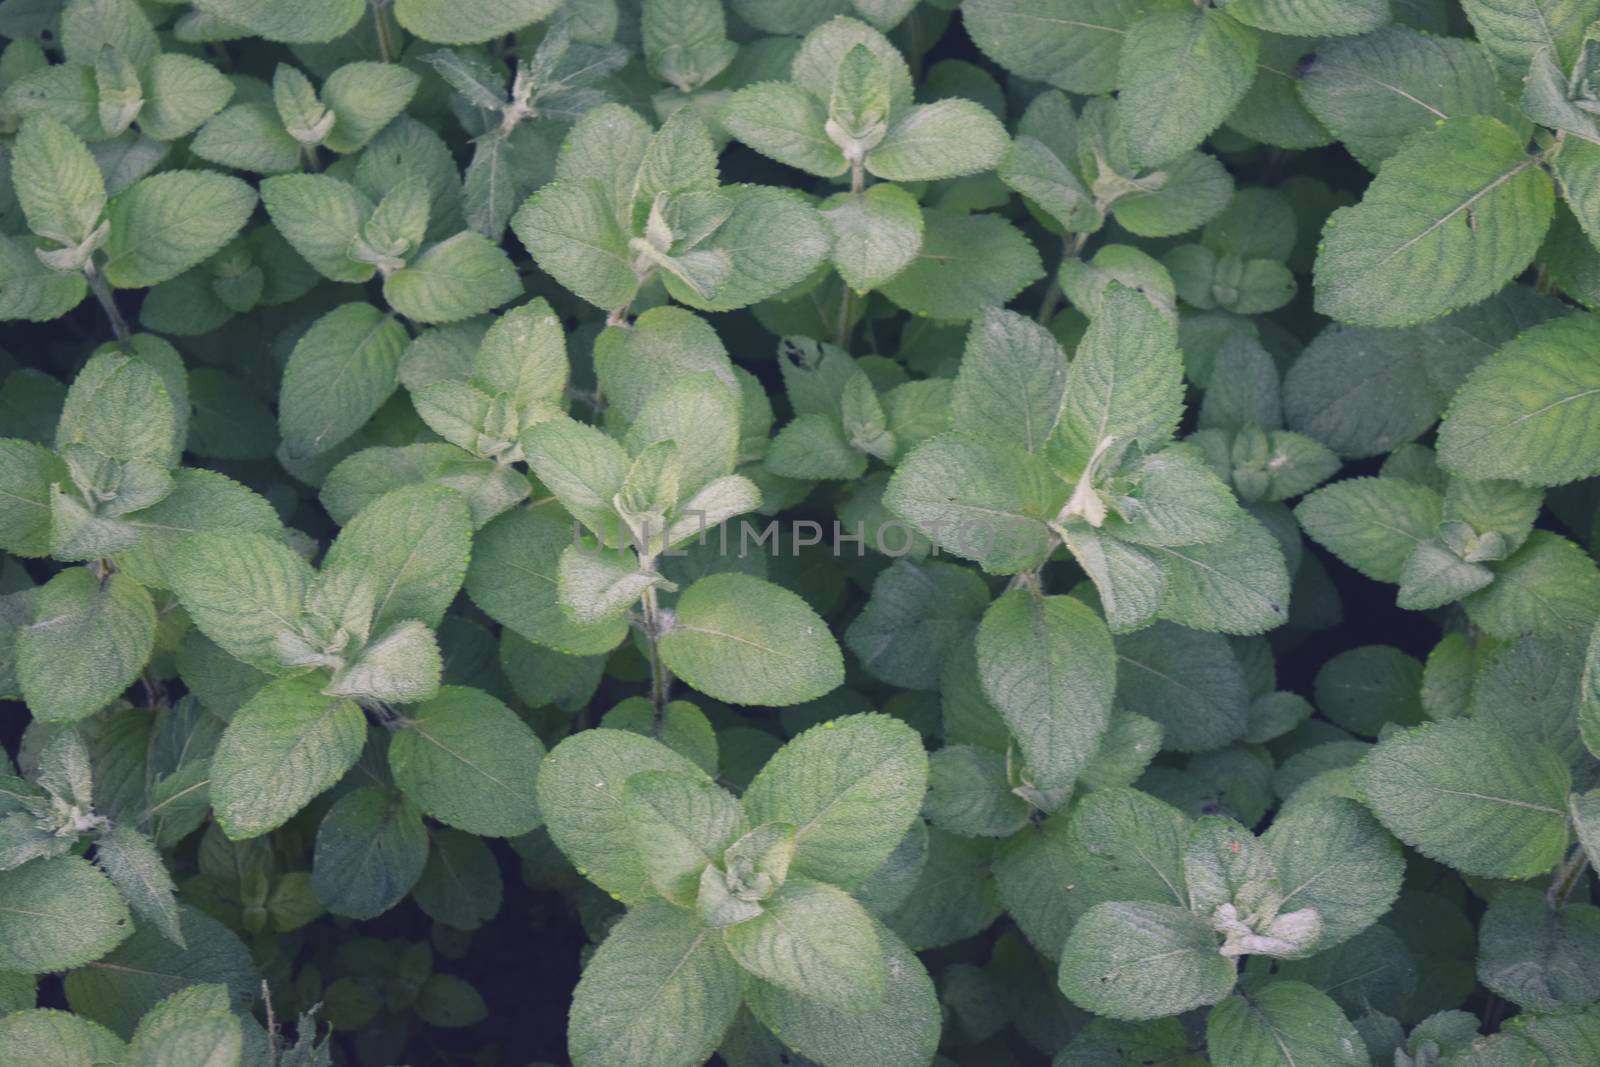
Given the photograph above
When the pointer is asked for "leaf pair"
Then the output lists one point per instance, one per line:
(629, 205)
(640, 820)
(1230, 895)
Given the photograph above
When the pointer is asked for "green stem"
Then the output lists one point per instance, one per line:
(1071, 246)
(660, 678)
(108, 302)
(380, 20)
(841, 330)
(1566, 877)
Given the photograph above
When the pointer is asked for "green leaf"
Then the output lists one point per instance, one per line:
(57, 183)
(467, 760)
(582, 466)
(916, 617)
(194, 1024)
(513, 578)
(1237, 585)
(660, 992)
(1125, 382)
(27, 471)
(1189, 682)
(1372, 524)
(341, 371)
(1531, 412)
(1540, 958)
(124, 406)
(165, 224)
(1365, 687)
(1379, 89)
(581, 796)
(967, 263)
(89, 640)
(902, 1032)
(1283, 1023)
(1515, 31)
(455, 279)
(200, 500)
(851, 786)
(1549, 587)
(681, 826)
(119, 988)
(45, 1037)
(1012, 381)
(460, 886)
(1312, 18)
(571, 229)
(987, 502)
(1180, 74)
(371, 848)
(814, 940)
(945, 139)
(874, 234)
(1134, 960)
(31, 291)
(322, 218)
(746, 641)
(364, 98)
(180, 95)
(784, 122)
(242, 589)
(969, 793)
(1334, 857)
(469, 21)
(56, 914)
(1451, 218)
(285, 746)
(294, 21)
(771, 241)
(409, 549)
(1047, 665)
(1072, 44)
(131, 861)
(1468, 795)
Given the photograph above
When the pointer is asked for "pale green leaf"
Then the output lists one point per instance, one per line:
(1468, 795)
(1133, 960)
(1047, 665)
(285, 746)
(1283, 1024)
(165, 224)
(341, 371)
(1180, 74)
(581, 797)
(56, 914)
(457, 278)
(739, 639)
(1379, 89)
(1531, 412)
(89, 640)
(1449, 220)
(851, 787)
(660, 992)
(467, 760)
(469, 21)
(242, 588)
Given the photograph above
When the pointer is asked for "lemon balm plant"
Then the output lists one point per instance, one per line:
(863, 533)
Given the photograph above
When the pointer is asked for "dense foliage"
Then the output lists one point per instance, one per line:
(865, 533)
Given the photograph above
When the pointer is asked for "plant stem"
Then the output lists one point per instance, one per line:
(1566, 877)
(841, 330)
(108, 302)
(1070, 247)
(380, 20)
(660, 679)
(858, 177)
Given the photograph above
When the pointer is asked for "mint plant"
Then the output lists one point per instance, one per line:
(854, 533)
